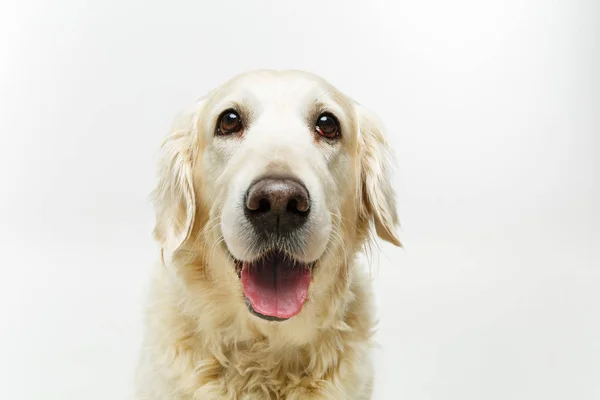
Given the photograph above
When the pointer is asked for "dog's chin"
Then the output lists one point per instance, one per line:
(275, 285)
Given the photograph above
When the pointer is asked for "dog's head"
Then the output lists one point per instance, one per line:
(271, 183)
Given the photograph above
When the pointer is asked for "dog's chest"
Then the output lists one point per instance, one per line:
(257, 372)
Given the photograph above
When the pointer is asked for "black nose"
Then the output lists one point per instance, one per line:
(277, 205)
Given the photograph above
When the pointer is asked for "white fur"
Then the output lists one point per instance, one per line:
(202, 342)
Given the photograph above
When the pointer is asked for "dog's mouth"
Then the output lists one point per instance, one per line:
(275, 285)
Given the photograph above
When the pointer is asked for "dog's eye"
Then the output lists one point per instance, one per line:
(229, 122)
(327, 126)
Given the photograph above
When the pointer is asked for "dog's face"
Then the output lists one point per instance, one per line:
(281, 173)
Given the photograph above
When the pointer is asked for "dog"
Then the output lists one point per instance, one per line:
(269, 188)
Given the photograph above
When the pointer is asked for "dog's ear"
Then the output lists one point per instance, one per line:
(174, 196)
(378, 199)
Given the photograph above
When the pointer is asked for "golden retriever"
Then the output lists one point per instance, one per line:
(268, 190)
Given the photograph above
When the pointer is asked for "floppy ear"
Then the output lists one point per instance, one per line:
(378, 197)
(174, 196)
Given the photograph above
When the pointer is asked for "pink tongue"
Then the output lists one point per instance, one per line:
(275, 290)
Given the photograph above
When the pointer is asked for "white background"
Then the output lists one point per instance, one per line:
(493, 109)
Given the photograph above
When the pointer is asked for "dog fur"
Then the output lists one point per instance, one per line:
(201, 340)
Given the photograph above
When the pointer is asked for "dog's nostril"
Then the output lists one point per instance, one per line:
(257, 201)
(263, 206)
(292, 206)
(297, 206)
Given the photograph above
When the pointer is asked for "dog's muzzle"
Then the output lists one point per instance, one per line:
(275, 283)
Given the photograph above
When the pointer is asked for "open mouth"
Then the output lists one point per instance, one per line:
(275, 285)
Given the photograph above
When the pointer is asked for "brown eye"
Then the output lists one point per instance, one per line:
(327, 126)
(229, 122)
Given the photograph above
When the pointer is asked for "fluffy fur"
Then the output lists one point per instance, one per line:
(201, 340)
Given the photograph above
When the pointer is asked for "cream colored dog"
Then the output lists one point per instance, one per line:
(268, 190)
